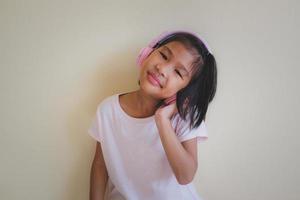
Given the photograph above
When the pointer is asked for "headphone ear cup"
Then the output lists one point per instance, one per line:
(144, 53)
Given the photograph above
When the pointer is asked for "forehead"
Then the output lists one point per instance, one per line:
(180, 54)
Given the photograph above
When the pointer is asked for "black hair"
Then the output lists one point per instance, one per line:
(193, 100)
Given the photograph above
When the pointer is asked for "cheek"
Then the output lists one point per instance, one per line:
(173, 87)
(142, 71)
(177, 82)
(185, 84)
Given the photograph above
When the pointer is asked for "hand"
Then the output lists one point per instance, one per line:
(166, 111)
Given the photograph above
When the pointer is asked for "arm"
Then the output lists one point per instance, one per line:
(98, 176)
(182, 156)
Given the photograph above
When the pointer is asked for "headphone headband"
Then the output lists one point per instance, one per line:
(167, 34)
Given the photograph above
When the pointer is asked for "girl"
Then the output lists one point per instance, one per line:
(147, 139)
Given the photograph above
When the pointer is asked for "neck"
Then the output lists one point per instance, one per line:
(146, 104)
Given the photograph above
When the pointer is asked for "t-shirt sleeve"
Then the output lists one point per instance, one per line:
(94, 129)
(185, 133)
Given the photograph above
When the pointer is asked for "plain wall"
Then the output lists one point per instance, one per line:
(59, 59)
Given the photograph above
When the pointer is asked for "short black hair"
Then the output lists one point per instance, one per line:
(202, 87)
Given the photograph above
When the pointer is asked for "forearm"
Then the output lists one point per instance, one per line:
(181, 162)
(98, 180)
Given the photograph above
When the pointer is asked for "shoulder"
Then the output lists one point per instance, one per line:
(184, 124)
(184, 132)
(107, 103)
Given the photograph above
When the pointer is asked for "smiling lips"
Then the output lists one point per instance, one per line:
(153, 79)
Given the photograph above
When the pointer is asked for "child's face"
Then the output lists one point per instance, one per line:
(171, 65)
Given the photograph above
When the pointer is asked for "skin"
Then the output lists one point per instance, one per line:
(141, 103)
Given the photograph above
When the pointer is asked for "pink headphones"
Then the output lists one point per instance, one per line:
(145, 52)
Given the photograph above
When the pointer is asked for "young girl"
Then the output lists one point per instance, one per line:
(147, 139)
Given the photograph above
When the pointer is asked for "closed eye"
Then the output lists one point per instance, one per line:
(178, 73)
(163, 55)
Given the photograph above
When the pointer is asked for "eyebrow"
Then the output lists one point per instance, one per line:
(171, 53)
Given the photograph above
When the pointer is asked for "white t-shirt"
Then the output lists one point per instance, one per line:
(135, 159)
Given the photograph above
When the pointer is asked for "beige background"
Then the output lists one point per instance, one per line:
(59, 59)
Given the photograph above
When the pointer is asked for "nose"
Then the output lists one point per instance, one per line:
(164, 69)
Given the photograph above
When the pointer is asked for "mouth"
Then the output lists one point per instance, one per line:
(153, 79)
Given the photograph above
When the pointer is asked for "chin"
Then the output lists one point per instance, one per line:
(151, 90)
